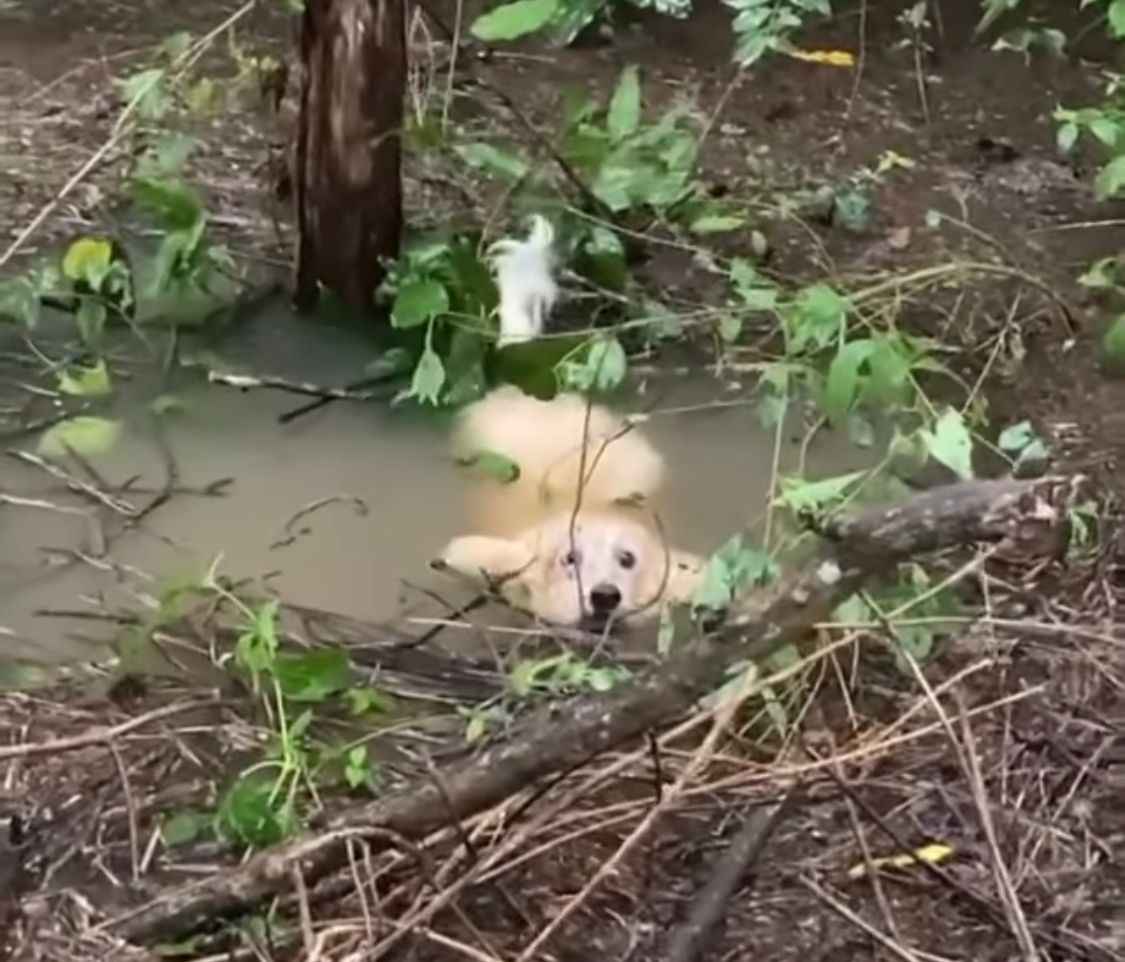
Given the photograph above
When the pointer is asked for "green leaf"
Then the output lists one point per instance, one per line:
(417, 301)
(521, 679)
(730, 328)
(90, 318)
(1101, 275)
(250, 813)
(358, 771)
(84, 435)
(365, 701)
(429, 377)
(86, 381)
(169, 154)
(1113, 345)
(476, 727)
(799, 495)
(88, 259)
(607, 361)
(513, 20)
(624, 115)
(493, 160)
(1111, 179)
(145, 90)
(1106, 129)
(602, 369)
(1117, 18)
(169, 200)
(491, 465)
(816, 317)
(852, 211)
(1067, 137)
(181, 828)
(731, 570)
(256, 648)
(19, 301)
(951, 443)
(842, 384)
(756, 291)
(313, 676)
(716, 224)
(1021, 441)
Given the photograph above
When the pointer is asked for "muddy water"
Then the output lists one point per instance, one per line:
(342, 557)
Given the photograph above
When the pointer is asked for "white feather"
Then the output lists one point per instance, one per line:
(524, 276)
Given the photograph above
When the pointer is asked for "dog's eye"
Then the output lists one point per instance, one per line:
(570, 559)
(627, 559)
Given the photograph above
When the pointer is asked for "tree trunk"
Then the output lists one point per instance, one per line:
(348, 176)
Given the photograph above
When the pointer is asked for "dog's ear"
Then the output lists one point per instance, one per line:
(494, 559)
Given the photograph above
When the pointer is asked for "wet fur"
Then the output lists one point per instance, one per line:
(578, 524)
(525, 530)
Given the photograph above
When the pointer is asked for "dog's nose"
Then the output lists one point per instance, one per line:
(604, 598)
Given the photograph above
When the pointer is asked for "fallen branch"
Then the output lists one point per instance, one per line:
(1025, 516)
(708, 908)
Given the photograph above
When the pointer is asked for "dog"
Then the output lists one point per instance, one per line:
(565, 517)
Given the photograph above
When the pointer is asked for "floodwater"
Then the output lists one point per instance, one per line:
(358, 561)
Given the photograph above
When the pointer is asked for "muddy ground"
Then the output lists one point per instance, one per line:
(1036, 868)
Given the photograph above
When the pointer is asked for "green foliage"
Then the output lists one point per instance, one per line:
(763, 26)
(561, 675)
(1022, 444)
(83, 434)
(927, 613)
(730, 570)
(951, 443)
(1113, 345)
(631, 165)
(564, 19)
(514, 20)
(252, 813)
(816, 498)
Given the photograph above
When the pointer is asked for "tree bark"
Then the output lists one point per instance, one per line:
(348, 158)
(1024, 516)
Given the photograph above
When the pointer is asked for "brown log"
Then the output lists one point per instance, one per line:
(1024, 515)
(349, 144)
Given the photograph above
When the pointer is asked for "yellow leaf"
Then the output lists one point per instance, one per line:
(834, 58)
(934, 853)
(87, 258)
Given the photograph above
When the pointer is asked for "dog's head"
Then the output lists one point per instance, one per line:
(597, 572)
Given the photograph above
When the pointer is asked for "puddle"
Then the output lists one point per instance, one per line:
(393, 461)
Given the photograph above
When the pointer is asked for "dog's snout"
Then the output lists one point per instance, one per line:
(604, 598)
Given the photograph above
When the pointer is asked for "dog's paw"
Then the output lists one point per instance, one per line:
(493, 559)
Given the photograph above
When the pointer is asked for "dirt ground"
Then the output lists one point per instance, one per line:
(1027, 793)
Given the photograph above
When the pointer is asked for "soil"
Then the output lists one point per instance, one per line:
(1035, 869)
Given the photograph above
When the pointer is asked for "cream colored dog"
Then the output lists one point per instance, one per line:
(574, 537)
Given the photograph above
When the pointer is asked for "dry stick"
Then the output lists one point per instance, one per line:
(698, 759)
(708, 907)
(843, 911)
(96, 735)
(1012, 908)
(556, 737)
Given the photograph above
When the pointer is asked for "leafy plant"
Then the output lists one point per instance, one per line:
(731, 570)
(564, 19)
(762, 26)
(631, 165)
